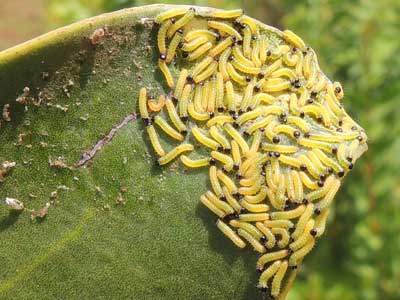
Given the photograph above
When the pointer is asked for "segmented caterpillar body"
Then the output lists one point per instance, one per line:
(277, 139)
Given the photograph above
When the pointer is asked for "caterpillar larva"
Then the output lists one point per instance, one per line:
(270, 242)
(255, 208)
(181, 22)
(253, 217)
(195, 163)
(232, 73)
(223, 60)
(200, 51)
(254, 242)
(283, 235)
(204, 200)
(230, 234)
(156, 107)
(225, 207)
(238, 55)
(198, 116)
(191, 35)
(155, 141)
(216, 186)
(251, 229)
(224, 28)
(175, 153)
(225, 179)
(227, 14)
(173, 115)
(245, 69)
(266, 122)
(231, 200)
(277, 281)
(221, 46)
(169, 14)
(194, 44)
(268, 274)
(173, 45)
(271, 256)
(203, 139)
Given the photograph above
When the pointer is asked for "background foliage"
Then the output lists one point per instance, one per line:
(358, 44)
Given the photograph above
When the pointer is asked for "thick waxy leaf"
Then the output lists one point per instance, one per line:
(94, 216)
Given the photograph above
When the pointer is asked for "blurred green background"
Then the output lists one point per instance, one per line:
(358, 43)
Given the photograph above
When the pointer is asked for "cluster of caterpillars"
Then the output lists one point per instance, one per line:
(270, 126)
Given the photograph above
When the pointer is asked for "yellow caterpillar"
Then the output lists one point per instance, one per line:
(253, 106)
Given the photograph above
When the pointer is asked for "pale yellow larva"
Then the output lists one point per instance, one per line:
(271, 256)
(224, 28)
(236, 155)
(169, 14)
(200, 51)
(320, 222)
(301, 223)
(201, 66)
(207, 203)
(184, 101)
(277, 281)
(208, 72)
(326, 201)
(216, 186)
(231, 199)
(255, 243)
(225, 207)
(294, 39)
(220, 92)
(234, 75)
(299, 254)
(173, 45)
(302, 239)
(175, 153)
(238, 55)
(221, 47)
(155, 142)
(288, 215)
(195, 163)
(255, 145)
(270, 238)
(194, 34)
(226, 180)
(203, 139)
(286, 224)
(180, 83)
(251, 229)
(219, 120)
(219, 137)
(227, 14)
(227, 231)
(254, 208)
(253, 217)
(144, 114)
(223, 60)
(181, 22)
(199, 116)
(284, 236)
(245, 69)
(194, 44)
(173, 115)
(168, 129)
(321, 192)
(237, 137)
(276, 85)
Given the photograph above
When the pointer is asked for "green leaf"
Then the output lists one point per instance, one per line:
(160, 244)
